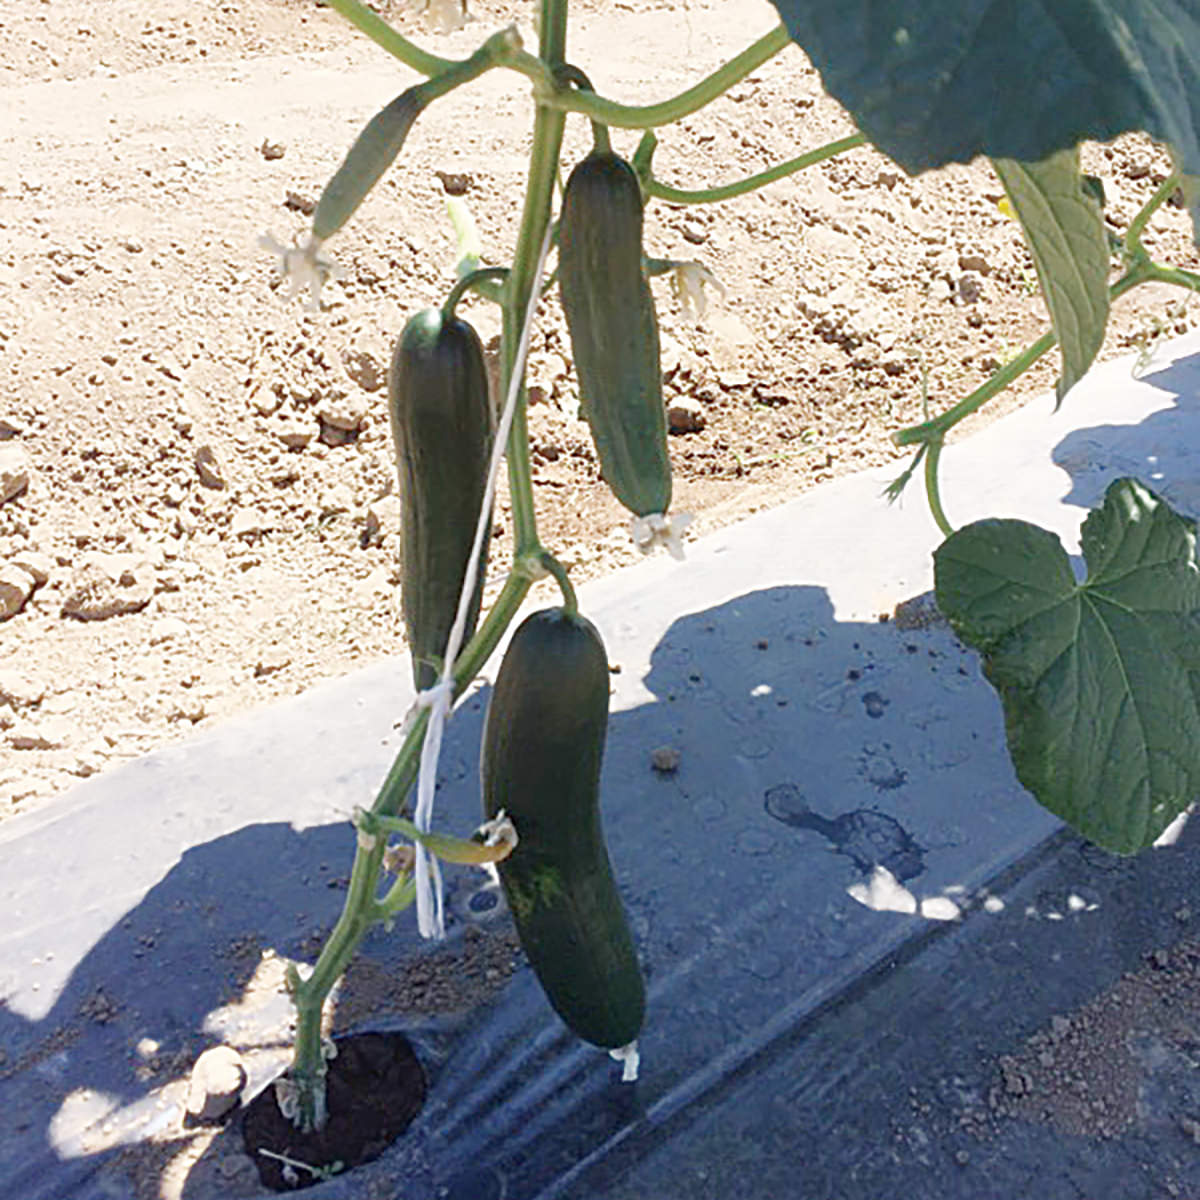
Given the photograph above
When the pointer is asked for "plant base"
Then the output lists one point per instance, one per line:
(375, 1088)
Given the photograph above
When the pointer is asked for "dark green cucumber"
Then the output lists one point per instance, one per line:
(442, 428)
(614, 330)
(542, 749)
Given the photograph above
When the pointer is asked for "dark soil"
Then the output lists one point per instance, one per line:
(375, 1088)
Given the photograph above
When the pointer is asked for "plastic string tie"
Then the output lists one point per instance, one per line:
(439, 698)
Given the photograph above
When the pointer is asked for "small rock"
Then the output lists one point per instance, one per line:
(208, 469)
(345, 413)
(271, 660)
(8, 718)
(382, 519)
(974, 262)
(305, 205)
(365, 369)
(166, 628)
(216, 1082)
(19, 690)
(25, 735)
(16, 586)
(338, 499)
(249, 524)
(686, 415)
(272, 150)
(14, 471)
(1060, 1026)
(108, 585)
(190, 708)
(665, 759)
(297, 434)
(455, 184)
(40, 566)
(969, 290)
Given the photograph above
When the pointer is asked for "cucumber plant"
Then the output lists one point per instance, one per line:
(928, 83)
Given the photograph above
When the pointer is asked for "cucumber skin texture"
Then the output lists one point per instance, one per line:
(542, 750)
(614, 330)
(442, 429)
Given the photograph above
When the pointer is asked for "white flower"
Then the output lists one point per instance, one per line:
(689, 279)
(304, 265)
(447, 16)
(656, 529)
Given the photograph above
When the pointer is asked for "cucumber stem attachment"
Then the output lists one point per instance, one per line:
(473, 282)
(568, 73)
(555, 568)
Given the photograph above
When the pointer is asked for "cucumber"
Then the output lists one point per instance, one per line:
(614, 330)
(542, 748)
(442, 429)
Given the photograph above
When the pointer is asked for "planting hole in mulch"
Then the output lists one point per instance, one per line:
(375, 1086)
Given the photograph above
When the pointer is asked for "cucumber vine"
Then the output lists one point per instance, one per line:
(1049, 197)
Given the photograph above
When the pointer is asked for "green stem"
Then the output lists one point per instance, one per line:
(1137, 227)
(309, 995)
(475, 281)
(727, 191)
(1177, 276)
(932, 490)
(396, 44)
(539, 196)
(361, 910)
(939, 426)
(625, 116)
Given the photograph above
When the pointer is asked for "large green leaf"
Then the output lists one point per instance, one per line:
(938, 81)
(1065, 230)
(1100, 680)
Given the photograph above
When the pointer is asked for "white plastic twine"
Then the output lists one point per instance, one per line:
(439, 698)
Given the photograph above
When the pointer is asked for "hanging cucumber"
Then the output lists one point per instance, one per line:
(442, 427)
(614, 331)
(542, 749)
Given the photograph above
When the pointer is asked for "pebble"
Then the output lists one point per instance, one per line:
(665, 759)
(249, 524)
(25, 735)
(273, 659)
(382, 519)
(40, 566)
(108, 585)
(165, 629)
(208, 470)
(297, 434)
(14, 471)
(16, 586)
(364, 369)
(686, 415)
(346, 413)
(19, 690)
(215, 1084)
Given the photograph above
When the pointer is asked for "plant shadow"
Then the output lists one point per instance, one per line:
(806, 754)
(1162, 451)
